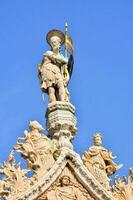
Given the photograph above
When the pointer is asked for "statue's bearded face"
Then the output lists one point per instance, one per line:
(55, 42)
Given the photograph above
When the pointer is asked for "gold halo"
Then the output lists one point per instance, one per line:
(57, 33)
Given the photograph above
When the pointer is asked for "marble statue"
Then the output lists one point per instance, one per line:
(49, 168)
(54, 71)
(36, 148)
(100, 162)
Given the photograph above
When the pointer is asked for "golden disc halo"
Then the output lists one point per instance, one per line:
(57, 33)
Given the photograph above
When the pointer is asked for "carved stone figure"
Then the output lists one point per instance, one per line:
(53, 72)
(36, 148)
(65, 191)
(54, 170)
(99, 161)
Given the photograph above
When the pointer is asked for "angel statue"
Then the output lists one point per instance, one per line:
(55, 70)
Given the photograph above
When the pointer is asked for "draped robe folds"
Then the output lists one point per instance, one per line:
(103, 157)
(99, 161)
(64, 193)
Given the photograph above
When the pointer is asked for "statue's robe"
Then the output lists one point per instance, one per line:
(64, 193)
(99, 162)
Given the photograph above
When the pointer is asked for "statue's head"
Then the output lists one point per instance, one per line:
(35, 125)
(55, 42)
(97, 139)
(65, 180)
(55, 39)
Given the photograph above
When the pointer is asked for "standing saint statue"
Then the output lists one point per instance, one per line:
(55, 70)
(99, 161)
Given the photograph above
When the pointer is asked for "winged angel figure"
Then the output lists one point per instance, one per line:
(55, 70)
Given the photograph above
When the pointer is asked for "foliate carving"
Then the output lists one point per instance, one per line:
(99, 162)
(89, 187)
(37, 149)
(47, 176)
(14, 178)
(54, 171)
(123, 188)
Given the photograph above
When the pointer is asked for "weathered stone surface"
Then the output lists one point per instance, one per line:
(56, 171)
(99, 162)
(123, 188)
(54, 71)
(61, 122)
(66, 162)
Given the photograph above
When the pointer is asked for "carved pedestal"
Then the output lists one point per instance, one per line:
(61, 121)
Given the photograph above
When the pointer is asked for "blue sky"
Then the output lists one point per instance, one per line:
(101, 86)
